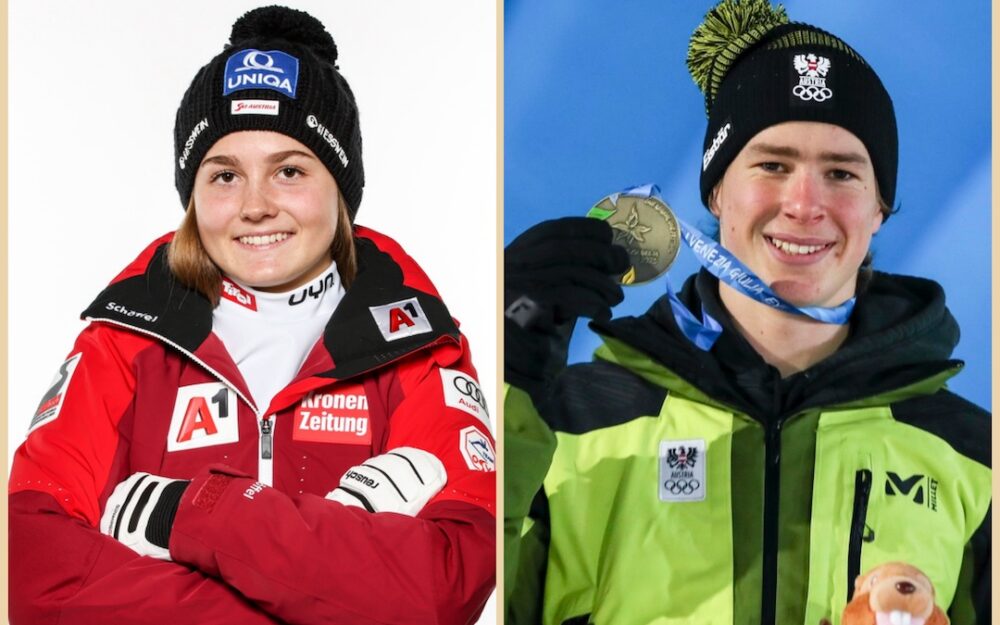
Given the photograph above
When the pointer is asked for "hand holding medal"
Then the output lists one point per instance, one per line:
(646, 227)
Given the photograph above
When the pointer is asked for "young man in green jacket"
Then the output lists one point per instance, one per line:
(749, 477)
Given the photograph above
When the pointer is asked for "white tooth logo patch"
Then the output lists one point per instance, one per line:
(812, 71)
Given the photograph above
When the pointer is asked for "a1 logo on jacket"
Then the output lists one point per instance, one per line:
(204, 415)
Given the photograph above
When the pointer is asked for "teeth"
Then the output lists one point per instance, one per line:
(794, 248)
(263, 240)
(898, 617)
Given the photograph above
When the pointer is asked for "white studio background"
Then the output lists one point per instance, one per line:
(94, 87)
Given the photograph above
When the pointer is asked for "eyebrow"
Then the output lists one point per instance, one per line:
(277, 157)
(231, 161)
(790, 152)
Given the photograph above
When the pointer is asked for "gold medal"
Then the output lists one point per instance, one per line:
(646, 228)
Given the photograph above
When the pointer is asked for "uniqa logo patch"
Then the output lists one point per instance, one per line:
(256, 69)
(340, 416)
(682, 470)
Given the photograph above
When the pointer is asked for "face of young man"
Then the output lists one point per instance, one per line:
(799, 206)
(266, 209)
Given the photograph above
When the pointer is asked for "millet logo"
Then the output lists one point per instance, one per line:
(923, 488)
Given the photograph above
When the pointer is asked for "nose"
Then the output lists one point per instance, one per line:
(905, 588)
(257, 205)
(803, 201)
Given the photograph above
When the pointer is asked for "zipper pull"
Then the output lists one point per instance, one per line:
(265, 438)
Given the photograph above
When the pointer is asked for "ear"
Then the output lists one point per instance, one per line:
(877, 219)
(858, 612)
(713, 200)
(859, 582)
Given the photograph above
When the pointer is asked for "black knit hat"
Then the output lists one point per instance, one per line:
(758, 70)
(278, 73)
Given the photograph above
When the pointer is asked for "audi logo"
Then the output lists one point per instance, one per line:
(681, 487)
(467, 387)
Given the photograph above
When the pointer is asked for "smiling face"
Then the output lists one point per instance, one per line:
(799, 206)
(266, 210)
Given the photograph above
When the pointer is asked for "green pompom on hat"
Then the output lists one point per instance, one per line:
(757, 69)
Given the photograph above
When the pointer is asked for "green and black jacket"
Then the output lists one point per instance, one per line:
(804, 482)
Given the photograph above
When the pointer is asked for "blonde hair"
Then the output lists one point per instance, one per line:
(194, 268)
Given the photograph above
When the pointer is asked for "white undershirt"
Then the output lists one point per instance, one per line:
(270, 344)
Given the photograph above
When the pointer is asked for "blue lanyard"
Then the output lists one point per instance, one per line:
(722, 264)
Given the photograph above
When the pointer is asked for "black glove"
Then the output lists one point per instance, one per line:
(554, 272)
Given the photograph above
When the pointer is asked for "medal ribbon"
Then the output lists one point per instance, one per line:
(722, 264)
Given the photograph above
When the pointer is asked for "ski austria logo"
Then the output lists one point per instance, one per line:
(682, 470)
(235, 293)
(254, 107)
(462, 391)
(204, 416)
(254, 69)
(477, 450)
(400, 319)
(340, 416)
(54, 398)
(812, 71)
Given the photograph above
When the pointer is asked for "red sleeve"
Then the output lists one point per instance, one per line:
(309, 560)
(62, 569)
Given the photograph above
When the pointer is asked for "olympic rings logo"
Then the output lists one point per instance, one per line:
(681, 487)
(812, 92)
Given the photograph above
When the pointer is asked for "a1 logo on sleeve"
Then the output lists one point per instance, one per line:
(54, 398)
(204, 415)
(400, 319)
(462, 391)
(477, 450)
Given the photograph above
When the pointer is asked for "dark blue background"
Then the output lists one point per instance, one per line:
(597, 97)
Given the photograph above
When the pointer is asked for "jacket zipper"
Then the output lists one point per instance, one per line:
(772, 480)
(265, 462)
(862, 492)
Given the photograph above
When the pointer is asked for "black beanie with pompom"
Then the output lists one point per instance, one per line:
(278, 72)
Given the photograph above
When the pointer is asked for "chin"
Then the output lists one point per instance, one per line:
(799, 293)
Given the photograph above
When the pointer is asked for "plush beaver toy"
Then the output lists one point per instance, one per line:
(893, 594)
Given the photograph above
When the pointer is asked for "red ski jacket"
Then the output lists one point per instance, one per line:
(148, 387)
